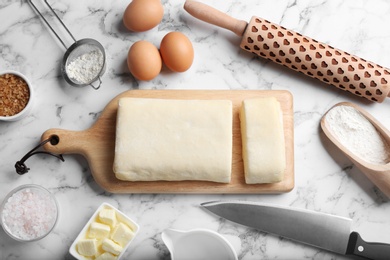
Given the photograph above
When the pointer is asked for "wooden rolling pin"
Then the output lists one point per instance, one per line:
(300, 53)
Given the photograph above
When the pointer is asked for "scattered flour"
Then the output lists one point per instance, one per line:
(86, 67)
(357, 134)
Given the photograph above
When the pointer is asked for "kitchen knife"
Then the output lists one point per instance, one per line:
(321, 230)
(301, 53)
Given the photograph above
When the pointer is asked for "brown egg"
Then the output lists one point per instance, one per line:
(143, 15)
(144, 60)
(177, 51)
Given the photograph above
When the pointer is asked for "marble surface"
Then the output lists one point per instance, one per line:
(325, 180)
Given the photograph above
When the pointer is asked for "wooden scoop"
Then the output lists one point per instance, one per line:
(301, 53)
(379, 174)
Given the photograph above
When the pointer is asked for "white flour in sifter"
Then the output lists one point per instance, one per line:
(357, 134)
(86, 67)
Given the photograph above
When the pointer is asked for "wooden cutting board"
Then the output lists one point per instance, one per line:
(97, 145)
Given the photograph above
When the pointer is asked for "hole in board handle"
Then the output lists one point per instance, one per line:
(54, 140)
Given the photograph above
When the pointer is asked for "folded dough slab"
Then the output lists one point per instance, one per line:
(173, 140)
(263, 144)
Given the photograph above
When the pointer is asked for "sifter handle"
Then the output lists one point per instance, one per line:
(316, 59)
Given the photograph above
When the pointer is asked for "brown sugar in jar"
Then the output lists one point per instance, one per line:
(14, 94)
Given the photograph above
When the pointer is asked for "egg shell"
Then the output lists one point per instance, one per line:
(143, 15)
(144, 60)
(177, 51)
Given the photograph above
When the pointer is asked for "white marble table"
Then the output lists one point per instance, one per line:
(326, 180)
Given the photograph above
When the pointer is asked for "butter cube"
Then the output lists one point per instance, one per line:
(122, 234)
(107, 216)
(110, 246)
(87, 247)
(106, 256)
(98, 230)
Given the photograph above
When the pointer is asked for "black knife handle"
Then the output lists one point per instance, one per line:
(375, 251)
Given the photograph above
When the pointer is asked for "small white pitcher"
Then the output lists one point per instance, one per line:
(197, 244)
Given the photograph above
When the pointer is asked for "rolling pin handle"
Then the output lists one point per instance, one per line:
(213, 16)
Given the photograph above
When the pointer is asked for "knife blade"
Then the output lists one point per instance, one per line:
(329, 232)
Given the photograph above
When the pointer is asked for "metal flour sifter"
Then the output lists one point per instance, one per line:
(84, 61)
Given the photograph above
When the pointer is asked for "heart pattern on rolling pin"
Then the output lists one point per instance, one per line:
(317, 60)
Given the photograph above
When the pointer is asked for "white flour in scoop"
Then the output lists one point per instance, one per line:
(357, 134)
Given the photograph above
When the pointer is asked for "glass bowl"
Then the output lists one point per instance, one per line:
(28, 213)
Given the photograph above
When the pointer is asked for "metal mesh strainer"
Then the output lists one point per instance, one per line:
(84, 61)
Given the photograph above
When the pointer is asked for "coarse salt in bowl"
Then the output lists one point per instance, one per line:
(16, 96)
(28, 213)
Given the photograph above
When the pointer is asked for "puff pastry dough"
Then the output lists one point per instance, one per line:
(173, 140)
(263, 147)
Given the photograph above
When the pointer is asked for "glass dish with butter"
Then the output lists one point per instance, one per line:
(107, 235)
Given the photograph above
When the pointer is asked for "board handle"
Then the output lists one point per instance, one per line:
(213, 16)
(65, 141)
